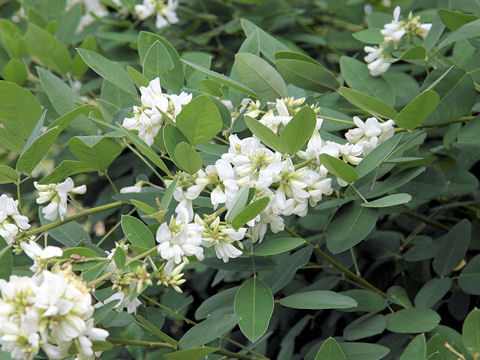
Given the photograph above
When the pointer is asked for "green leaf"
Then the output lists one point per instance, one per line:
(471, 332)
(63, 121)
(7, 175)
(6, 260)
(11, 39)
(167, 197)
(78, 65)
(267, 136)
(70, 235)
(338, 168)
(109, 70)
(350, 225)
(137, 232)
(365, 326)
(415, 53)
(367, 300)
(454, 19)
(145, 149)
(254, 306)
(457, 94)
(358, 77)
(469, 279)
(285, 271)
(172, 78)
(119, 257)
(50, 51)
(304, 72)
(397, 295)
(19, 110)
(250, 212)
(199, 120)
(268, 44)
(278, 246)
(222, 79)
(157, 60)
(370, 104)
(377, 156)
(369, 36)
(66, 169)
(191, 354)
(187, 158)
(330, 350)
(62, 97)
(418, 110)
(220, 302)
(467, 31)
(33, 153)
(299, 130)
(68, 24)
(413, 320)
(137, 77)
(432, 292)
(364, 351)
(238, 204)
(453, 248)
(95, 150)
(15, 72)
(318, 300)
(390, 200)
(416, 350)
(260, 76)
(208, 330)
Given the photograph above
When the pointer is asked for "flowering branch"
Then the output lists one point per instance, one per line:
(72, 218)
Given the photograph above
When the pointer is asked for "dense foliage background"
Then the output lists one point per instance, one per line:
(384, 267)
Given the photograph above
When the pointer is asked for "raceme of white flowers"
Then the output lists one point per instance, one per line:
(247, 163)
(10, 219)
(57, 194)
(50, 311)
(380, 58)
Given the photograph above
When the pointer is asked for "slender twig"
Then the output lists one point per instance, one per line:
(427, 220)
(111, 182)
(72, 218)
(361, 281)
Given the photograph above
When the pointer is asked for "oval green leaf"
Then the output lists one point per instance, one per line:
(318, 300)
(413, 320)
(338, 168)
(390, 200)
(278, 246)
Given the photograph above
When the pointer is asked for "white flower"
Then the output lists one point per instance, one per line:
(165, 13)
(395, 30)
(373, 53)
(146, 121)
(132, 189)
(57, 194)
(179, 238)
(423, 30)
(124, 299)
(378, 67)
(10, 219)
(38, 255)
(370, 133)
(52, 311)
(221, 236)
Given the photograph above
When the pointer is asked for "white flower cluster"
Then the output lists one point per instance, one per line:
(378, 58)
(149, 118)
(51, 311)
(10, 219)
(165, 12)
(94, 7)
(248, 163)
(40, 256)
(57, 194)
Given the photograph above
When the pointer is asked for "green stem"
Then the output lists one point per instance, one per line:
(428, 221)
(19, 195)
(72, 218)
(115, 227)
(119, 341)
(140, 156)
(361, 281)
(111, 182)
(303, 164)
